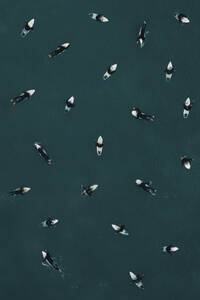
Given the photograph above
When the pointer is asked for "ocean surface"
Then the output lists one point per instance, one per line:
(95, 261)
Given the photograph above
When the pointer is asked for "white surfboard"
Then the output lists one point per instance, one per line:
(44, 254)
(93, 15)
(141, 42)
(113, 68)
(139, 284)
(115, 227)
(174, 249)
(44, 224)
(55, 221)
(187, 165)
(65, 45)
(104, 19)
(133, 276)
(138, 181)
(37, 146)
(26, 189)
(31, 92)
(185, 20)
(134, 113)
(124, 232)
(94, 187)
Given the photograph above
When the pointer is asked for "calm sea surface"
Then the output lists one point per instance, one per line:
(96, 262)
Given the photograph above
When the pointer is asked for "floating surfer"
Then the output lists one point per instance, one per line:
(169, 71)
(89, 190)
(22, 96)
(99, 145)
(48, 261)
(98, 17)
(69, 103)
(137, 279)
(110, 71)
(187, 108)
(142, 35)
(170, 249)
(182, 18)
(136, 113)
(120, 229)
(19, 191)
(43, 153)
(186, 162)
(50, 222)
(59, 50)
(146, 186)
(28, 27)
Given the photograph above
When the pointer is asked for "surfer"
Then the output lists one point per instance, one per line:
(110, 71)
(146, 186)
(186, 108)
(59, 50)
(169, 71)
(50, 222)
(22, 96)
(89, 190)
(186, 162)
(48, 261)
(19, 191)
(98, 17)
(69, 103)
(120, 229)
(28, 27)
(136, 113)
(99, 145)
(142, 35)
(42, 152)
(170, 249)
(137, 279)
(182, 18)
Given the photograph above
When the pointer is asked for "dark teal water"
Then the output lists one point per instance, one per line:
(96, 262)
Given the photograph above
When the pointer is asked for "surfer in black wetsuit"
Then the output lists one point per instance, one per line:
(48, 260)
(43, 153)
(120, 229)
(182, 18)
(19, 191)
(170, 249)
(59, 50)
(69, 103)
(50, 222)
(187, 107)
(98, 17)
(186, 162)
(112, 69)
(22, 96)
(89, 190)
(142, 35)
(146, 186)
(136, 113)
